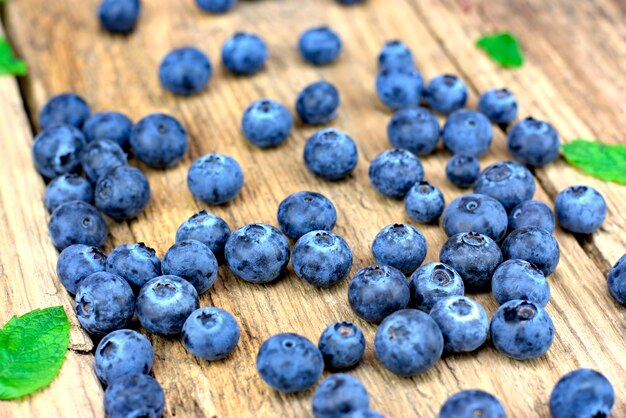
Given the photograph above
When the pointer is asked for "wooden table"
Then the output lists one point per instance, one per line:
(573, 77)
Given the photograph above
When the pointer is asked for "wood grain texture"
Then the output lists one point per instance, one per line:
(69, 52)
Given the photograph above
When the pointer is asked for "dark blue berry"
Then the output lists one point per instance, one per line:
(535, 245)
(77, 222)
(471, 404)
(508, 182)
(463, 322)
(531, 213)
(77, 262)
(580, 209)
(134, 395)
(65, 188)
(395, 54)
(433, 282)
(209, 229)
(463, 170)
(395, 171)
(64, 109)
(320, 45)
(414, 129)
(266, 123)
(303, 212)
(57, 150)
(467, 132)
(215, 179)
(119, 16)
(399, 87)
(476, 213)
(617, 281)
(400, 246)
(321, 258)
(424, 203)
(137, 263)
(159, 140)
(100, 156)
(211, 333)
(330, 154)
(317, 104)
(120, 353)
(244, 53)
(216, 6)
(499, 105)
(582, 393)
(338, 395)
(193, 261)
(518, 279)
(533, 142)
(446, 93)
(342, 345)
(185, 71)
(114, 126)
(123, 192)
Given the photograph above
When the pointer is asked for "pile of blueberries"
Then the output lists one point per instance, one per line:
(499, 238)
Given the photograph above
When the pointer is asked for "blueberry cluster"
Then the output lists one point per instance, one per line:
(499, 238)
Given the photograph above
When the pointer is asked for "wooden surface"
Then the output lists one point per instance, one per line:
(573, 77)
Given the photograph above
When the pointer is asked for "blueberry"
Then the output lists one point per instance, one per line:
(395, 171)
(395, 54)
(414, 129)
(120, 353)
(377, 291)
(476, 213)
(330, 154)
(185, 71)
(338, 395)
(119, 16)
(463, 323)
(321, 258)
(463, 170)
(399, 87)
(123, 192)
(114, 126)
(100, 156)
(400, 246)
(364, 413)
(474, 256)
(164, 303)
(244, 53)
(342, 345)
(57, 150)
(531, 213)
(446, 93)
(408, 342)
(289, 362)
(77, 262)
(508, 182)
(433, 282)
(137, 263)
(535, 245)
(533, 142)
(216, 6)
(193, 261)
(350, 2)
(266, 123)
(303, 212)
(582, 393)
(317, 104)
(257, 253)
(159, 140)
(521, 330)
(471, 404)
(134, 395)
(77, 222)
(617, 281)
(499, 105)
(104, 303)
(580, 209)
(211, 333)
(320, 45)
(518, 279)
(209, 229)
(467, 132)
(65, 109)
(65, 188)
(215, 179)
(424, 202)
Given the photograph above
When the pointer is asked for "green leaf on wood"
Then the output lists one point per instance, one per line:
(503, 48)
(32, 350)
(9, 63)
(606, 162)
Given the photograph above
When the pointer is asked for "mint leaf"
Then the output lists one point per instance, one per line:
(606, 162)
(32, 350)
(503, 48)
(9, 64)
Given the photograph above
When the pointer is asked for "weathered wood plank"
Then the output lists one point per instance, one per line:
(68, 52)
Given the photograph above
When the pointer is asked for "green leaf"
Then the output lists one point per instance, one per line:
(503, 48)
(9, 63)
(606, 162)
(32, 350)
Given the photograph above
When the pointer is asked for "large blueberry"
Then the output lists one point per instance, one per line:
(77, 262)
(433, 282)
(211, 333)
(134, 395)
(317, 103)
(330, 154)
(463, 170)
(303, 212)
(114, 126)
(582, 393)
(65, 188)
(474, 256)
(119, 16)
(100, 156)
(580, 209)
(531, 213)
(400, 246)
(215, 179)
(518, 279)
(476, 213)
(320, 45)
(533, 142)
(289, 362)
(120, 353)
(137, 263)
(342, 345)
(216, 6)
(535, 245)
(424, 202)
(257, 253)
(446, 93)
(266, 123)
(471, 404)
(508, 182)
(57, 150)
(159, 140)
(244, 53)
(499, 105)
(408, 342)
(123, 192)
(164, 303)
(395, 54)
(414, 129)
(399, 87)
(64, 109)
(617, 281)
(185, 71)
(209, 229)
(321, 258)
(522, 330)
(104, 303)
(193, 261)
(338, 395)
(77, 222)
(395, 171)
(463, 322)
(377, 291)
(468, 132)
